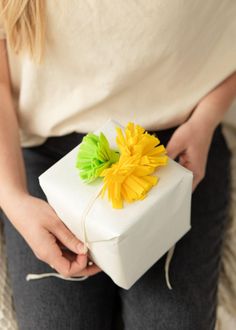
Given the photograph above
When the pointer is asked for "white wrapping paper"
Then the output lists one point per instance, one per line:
(126, 242)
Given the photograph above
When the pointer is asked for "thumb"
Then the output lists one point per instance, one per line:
(50, 253)
(174, 147)
(68, 239)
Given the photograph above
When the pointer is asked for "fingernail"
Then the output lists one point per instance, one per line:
(82, 249)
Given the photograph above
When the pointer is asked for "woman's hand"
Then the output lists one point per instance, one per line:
(35, 219)
(48, 237)
(191, 141)
(190, 144)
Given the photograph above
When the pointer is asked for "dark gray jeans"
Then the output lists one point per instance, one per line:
(97, 303)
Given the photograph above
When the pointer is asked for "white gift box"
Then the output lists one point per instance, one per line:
(125, 242)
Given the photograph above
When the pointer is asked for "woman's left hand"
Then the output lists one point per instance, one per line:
(190, 143)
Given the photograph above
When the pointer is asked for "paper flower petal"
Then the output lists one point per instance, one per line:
(127, 181)
(130, 178)
(94, 156)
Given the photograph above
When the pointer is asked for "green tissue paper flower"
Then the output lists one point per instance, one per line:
(94, 156)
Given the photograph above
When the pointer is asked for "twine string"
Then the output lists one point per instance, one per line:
(84, 215)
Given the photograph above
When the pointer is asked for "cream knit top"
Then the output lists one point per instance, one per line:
(149, 62)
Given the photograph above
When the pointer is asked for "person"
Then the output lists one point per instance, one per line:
(65, 68)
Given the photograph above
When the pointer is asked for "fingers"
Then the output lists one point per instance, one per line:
(195, 165)
(53, 243)
(86, 271)
(191, 151)
(175, 147)
(197, 178)
(90, 271)
(68, 239)
(50, 253)
(66, 263)
(174, 151)
(80, 266)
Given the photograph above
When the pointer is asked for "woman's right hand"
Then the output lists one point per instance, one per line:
(36, 221)
(46, 234)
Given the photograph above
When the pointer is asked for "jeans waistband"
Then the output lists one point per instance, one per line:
(63, 144)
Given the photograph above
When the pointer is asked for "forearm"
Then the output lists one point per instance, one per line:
(12, 172)
(212, 108)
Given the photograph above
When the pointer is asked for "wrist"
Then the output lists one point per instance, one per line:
(12, 199)
(204, 121)
(211, 110)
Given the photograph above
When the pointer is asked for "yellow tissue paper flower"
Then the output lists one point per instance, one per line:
(138, 141)
(130, 178)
